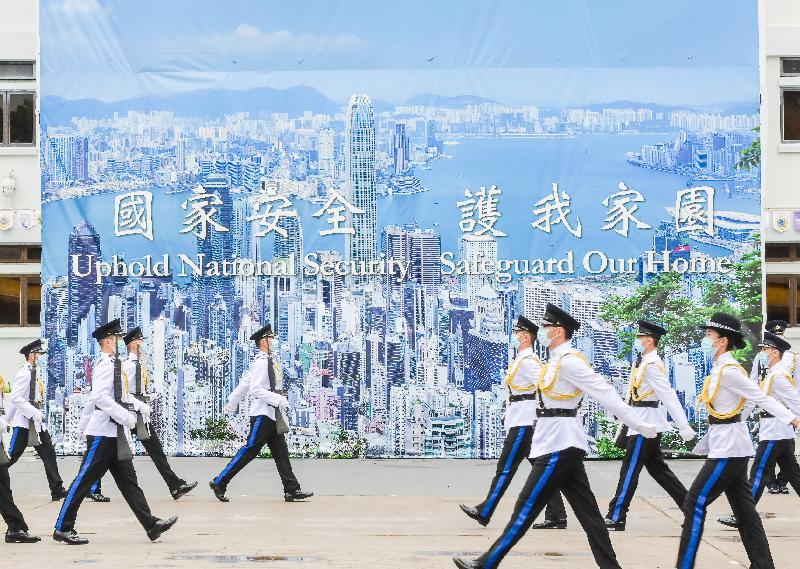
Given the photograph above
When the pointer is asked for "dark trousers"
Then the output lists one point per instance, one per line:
(262, 432)
(8, 509)
(100, 457)
(720, 475)
(45, 451)
(643, 453)
(563, 472)
(156, 453)
(768, 455)
(516, 448)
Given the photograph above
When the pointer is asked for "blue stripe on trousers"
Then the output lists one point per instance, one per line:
(94, 487)
(14, 438)
(77, 482)
(631, 469)
(487, 509)
(250, 442)
(697, 520)
(761, 466)
(497, 552)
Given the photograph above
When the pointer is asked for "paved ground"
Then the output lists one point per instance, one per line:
(375, 514)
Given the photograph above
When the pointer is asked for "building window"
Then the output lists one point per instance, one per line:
(779, 252)
(20, 300)
(782, 298)
(790, 66)
(20, 254)
(790, 115)
(17, 118)
(18, 70)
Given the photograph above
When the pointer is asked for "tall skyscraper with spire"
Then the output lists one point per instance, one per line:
(359, 155)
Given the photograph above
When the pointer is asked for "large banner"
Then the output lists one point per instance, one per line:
(390, 185)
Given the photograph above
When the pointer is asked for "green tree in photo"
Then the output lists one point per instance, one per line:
(751, 156)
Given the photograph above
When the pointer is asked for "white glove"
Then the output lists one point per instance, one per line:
(283, 403)
(37, 416)
(230, 408)
(648, 430)
(687, 433)
(131, 420)
(3, 424)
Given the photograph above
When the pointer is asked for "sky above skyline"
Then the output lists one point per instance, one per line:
(572, 52)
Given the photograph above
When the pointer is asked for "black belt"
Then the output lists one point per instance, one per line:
(524, 397)
(766, 415)
(555, 412)
(652, 404)
(714, 421)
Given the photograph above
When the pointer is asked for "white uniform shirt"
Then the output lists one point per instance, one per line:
(255, 382)
(790, 361)
(523, 375)
(101, 413)
(20, 409)
(574, 374)
(777, 384)
(731, 384)
(655, 386)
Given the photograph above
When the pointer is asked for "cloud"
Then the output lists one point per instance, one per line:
(77, 7)
(249, 39)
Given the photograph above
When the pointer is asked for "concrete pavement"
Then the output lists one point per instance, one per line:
(376, 514)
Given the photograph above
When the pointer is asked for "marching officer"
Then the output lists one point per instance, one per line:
(137, 377)
(777, 483)
(17, 529)
(776, 440)
(559, 444)
(649, 387)
(26, 416)
(107, 417)
(267, 409)
(728, 446)
(520, 416)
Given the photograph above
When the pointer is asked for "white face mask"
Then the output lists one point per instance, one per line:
(638, 347)
(543, 335)
(514, 342)
(707, 345)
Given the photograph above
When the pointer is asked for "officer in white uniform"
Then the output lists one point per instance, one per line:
(776, 440)
(26, 411)
(17, 529)
(560, 444)
(777, 483)
(137, 384)
(727, 443)
(108, 416)
(520, 416)
(263, 383)
(648, 389)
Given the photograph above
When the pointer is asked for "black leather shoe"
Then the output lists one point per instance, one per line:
(615, 526)
(298, 496)
(160, 527)
(474, 514)
(182, 490)
(60, 495)
(70, 537)
(551, 524)
(21, 536)
(99, 498)
(784, 489)
(466, 563)
(219, 491)
(730, 521)
(773, 488)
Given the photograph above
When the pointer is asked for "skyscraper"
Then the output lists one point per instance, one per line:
(359, 155)
(477, 249)
(400, 148)
(325, 146)
(292, 243)
(83, 292)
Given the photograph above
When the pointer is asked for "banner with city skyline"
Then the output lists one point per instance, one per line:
(390, 186)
